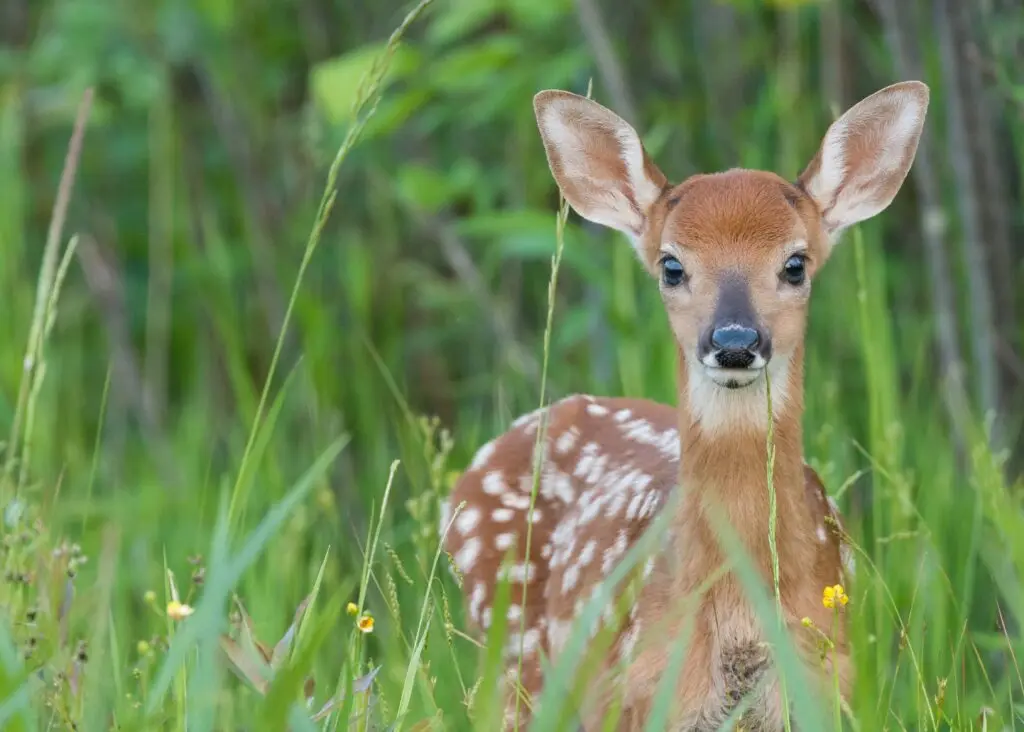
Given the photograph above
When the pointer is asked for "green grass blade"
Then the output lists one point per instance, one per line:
(207, 621)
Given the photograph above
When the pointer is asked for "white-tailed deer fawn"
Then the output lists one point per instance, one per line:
(734, 254)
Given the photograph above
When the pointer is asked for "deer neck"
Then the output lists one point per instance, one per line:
(724, 466)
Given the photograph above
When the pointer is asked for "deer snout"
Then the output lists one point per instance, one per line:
(733, 339)
(734, 346)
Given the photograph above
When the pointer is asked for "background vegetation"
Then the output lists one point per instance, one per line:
(416, 333)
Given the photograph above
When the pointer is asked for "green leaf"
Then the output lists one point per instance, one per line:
(424, 187)
(473, 67)
(336, 83)
(224, 573)
(246, 665)
(460, 18)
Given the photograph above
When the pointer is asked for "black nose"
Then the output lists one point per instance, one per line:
(735, 338)
(734, 346)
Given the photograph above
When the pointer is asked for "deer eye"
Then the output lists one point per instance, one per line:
(672, 272)
(795, 269)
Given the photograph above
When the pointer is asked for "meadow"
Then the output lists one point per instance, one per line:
(271, 276)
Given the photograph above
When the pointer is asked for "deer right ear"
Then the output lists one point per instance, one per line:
(866, 155)
(598, 161)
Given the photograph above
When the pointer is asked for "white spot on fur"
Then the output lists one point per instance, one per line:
(527, 642)
(530, 418)
(612, 554)
(587, 555)
(519, 572)
(514, 613)
(558, 635)
(570, 578)
(485, 621)
(467, 520)
(446, 516)
(633, 510)
(588, 455)
(642, 431)
(623, 415)
(556, 485)
(566, 441)
(483, 455)
(502, 515)
(516, 500)
(822, 536)
(467, 555)
(596, 410)
(494, 483)
(628, 643)
(650, 504)
(648, 567)
(476, 600)
(504, 542)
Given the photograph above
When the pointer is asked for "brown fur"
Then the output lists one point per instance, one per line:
(603, 453)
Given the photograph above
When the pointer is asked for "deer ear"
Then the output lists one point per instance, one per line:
(598, 161)
(866, 155)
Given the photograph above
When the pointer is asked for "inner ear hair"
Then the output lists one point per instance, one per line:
(865, 156)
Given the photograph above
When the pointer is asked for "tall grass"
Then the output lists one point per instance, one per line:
(295, 507)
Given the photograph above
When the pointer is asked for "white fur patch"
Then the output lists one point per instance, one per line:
(467, 555)
(516, 500)
(519, 572)
(483, 455)
(719, 410)
(494, 483)
(528, 641)
(566, 441)
(556, 485)
(467, 520)
(642, 431)
(476, 599)
(558, 635)
(446, 516)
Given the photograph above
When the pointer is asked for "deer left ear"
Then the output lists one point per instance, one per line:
(866, 155)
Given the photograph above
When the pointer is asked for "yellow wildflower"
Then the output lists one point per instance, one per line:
(834, 594)
(149, 597)
(366, 623)
(143, 648)
(352, 609)
(178, 610)
(806, 622)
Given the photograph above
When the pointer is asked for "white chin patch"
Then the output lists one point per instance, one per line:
(734, 378)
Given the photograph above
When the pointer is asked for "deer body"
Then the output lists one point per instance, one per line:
(734, 253)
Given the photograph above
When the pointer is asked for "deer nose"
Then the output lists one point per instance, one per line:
(735, 338)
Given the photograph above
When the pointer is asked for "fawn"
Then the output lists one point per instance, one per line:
(734, 254)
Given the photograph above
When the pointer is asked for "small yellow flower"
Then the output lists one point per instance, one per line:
(366, 623)
(143, 648)
(178, 610)
(832, 595)
(149, 597)
(352, 609)
(806, 622)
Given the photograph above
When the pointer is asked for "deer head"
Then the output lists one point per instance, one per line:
(734, 253)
